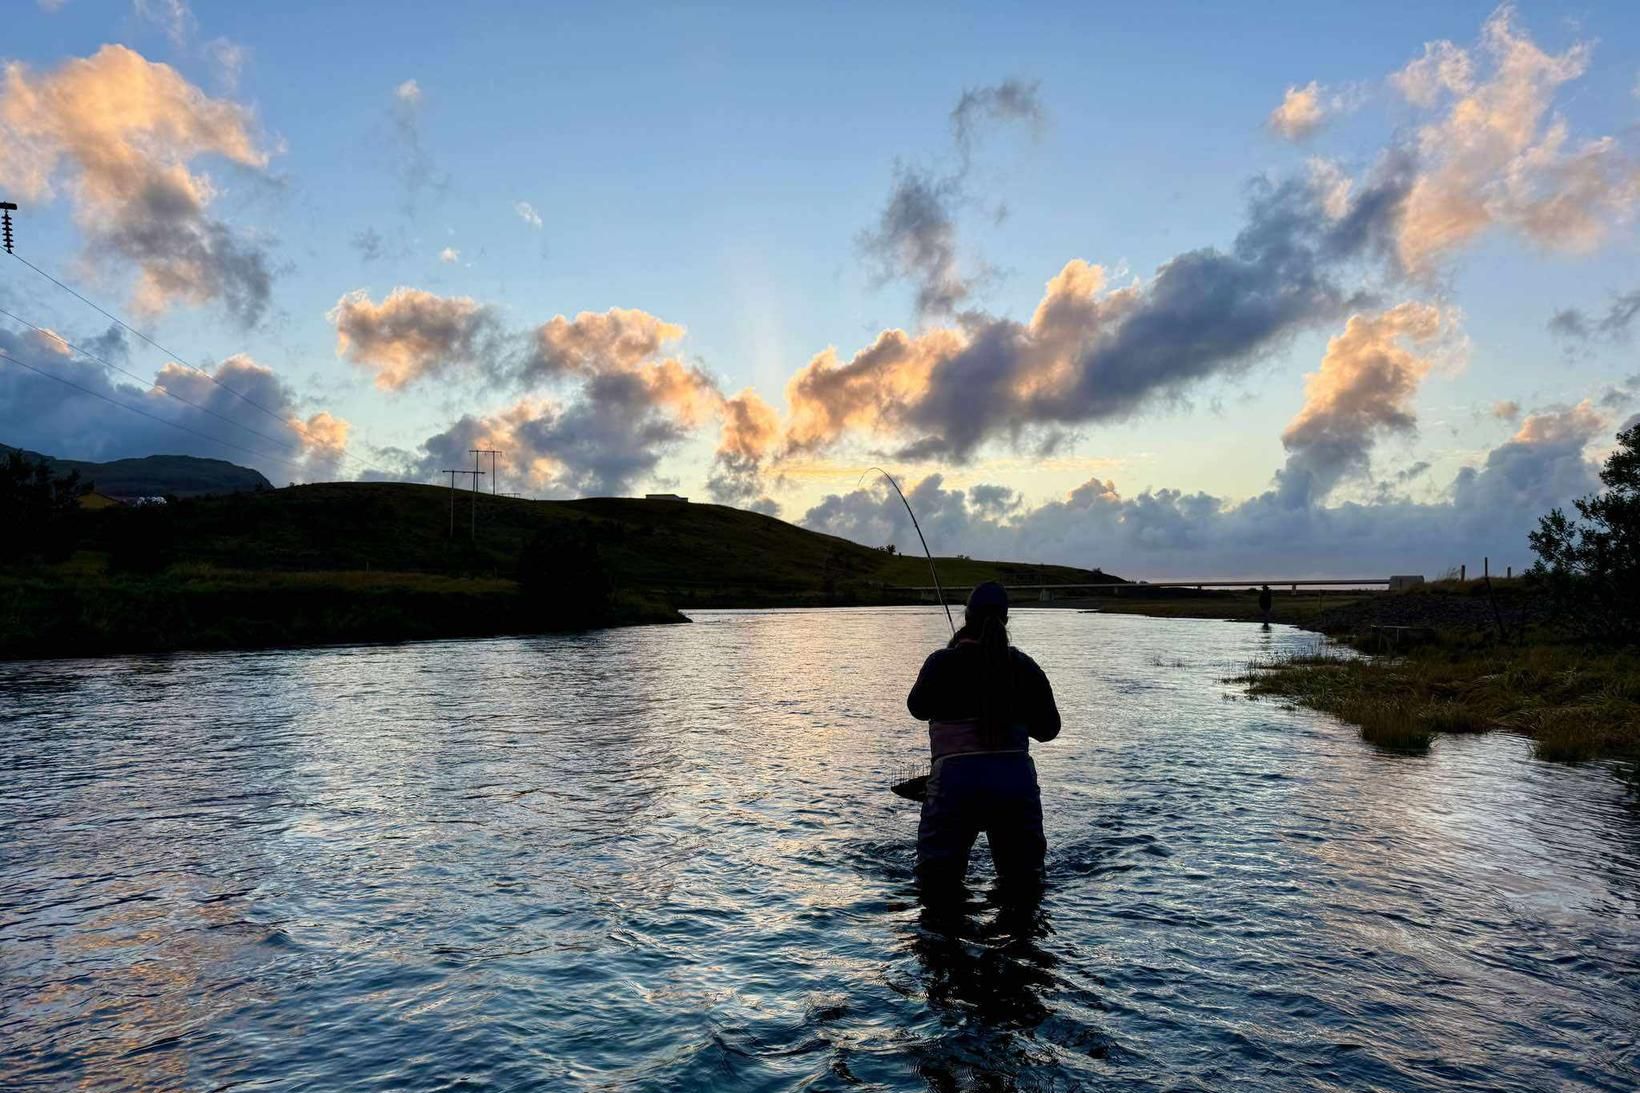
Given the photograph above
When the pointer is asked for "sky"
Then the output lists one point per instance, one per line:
(1166, 289)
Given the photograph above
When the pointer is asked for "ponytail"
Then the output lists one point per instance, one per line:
(996, 679)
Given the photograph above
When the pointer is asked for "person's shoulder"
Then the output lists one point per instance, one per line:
(1023, 658)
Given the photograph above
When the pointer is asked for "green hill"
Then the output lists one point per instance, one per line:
(157, 475)
(683, 552)
(377, 561)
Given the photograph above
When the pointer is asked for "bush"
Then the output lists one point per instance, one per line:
(565, 582)
(40, 511)
(143, 537)
(1591, 565)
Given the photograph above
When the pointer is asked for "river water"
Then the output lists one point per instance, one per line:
(665, 858)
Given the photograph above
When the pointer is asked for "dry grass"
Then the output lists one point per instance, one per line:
(1285, 607)
(1574, 703)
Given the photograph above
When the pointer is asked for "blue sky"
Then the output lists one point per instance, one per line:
(720, 169)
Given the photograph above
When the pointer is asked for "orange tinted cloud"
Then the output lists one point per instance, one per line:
(412, 334)
(121, 133)
(1497, 157)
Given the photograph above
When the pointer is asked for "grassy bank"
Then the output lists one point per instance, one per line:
(1574, 703)
(1292, 608)
(81, 611)
(345, 562)
(1467, 662)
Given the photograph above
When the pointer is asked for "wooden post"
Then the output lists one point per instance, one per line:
(1463, 571)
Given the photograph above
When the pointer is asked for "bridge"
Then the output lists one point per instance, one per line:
(1047, 591)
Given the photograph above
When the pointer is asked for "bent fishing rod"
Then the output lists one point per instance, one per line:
(932, 572)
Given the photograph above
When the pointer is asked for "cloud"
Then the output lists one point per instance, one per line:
(1300, 113)
(1012, 100)
(1364, 388)
(994, 502)
(915, 238)
(418, 172)
(45, 415)
(414, 335)
(171, 16)
(1160, 534)
(619, 339)
(526, 212)
(1572, 322)
(1442, 70)
(620, 398)
(1092, 353)
(1497, 158)
(1506, 410)
(600, 444)
(369, 244)
(121, 132)
(751, 429)
(228, 58)
(1312, 248)
(449, 256)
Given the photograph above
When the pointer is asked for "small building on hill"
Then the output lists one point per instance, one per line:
(664, 497)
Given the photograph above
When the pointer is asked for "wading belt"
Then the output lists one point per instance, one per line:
(949, 739)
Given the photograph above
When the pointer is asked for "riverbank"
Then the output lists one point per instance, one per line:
(352, 562)
(86, 612)
(1446, 657)
(1238, 605)
(1460, 657)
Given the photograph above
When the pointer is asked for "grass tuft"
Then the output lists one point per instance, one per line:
(1574, 703)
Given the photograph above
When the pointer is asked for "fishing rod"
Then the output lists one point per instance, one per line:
(932, 572)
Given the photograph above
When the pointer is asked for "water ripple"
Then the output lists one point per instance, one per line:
(665, 858)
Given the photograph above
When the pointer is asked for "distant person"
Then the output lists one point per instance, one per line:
(1264, 603)
(984, 702)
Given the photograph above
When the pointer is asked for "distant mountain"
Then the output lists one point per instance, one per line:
(158, 475)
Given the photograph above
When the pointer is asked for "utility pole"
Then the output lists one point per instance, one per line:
(452, 475)
(492, 453)
(6, 209)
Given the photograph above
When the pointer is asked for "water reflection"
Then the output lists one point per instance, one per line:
(667, 858)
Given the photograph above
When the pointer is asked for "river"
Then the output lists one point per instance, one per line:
(665, 858)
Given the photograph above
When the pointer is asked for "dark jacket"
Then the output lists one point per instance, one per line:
(947, 689)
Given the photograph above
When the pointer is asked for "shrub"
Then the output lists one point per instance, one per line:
(565, 581)
(1591, 564)
(40, 511)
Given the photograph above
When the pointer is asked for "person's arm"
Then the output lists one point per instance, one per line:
(1041, 713)
(921, 699)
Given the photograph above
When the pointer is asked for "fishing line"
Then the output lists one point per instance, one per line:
(932, 572)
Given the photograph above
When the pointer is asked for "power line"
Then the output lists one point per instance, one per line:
(132, 375)
(146, 414)
(179, 359)
(174, 356)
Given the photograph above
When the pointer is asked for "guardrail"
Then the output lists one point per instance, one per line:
(1286, 582)
(1047, 591)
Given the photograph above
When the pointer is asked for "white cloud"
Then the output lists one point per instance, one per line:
(526, 212)
(171, 16)
(1300, 113)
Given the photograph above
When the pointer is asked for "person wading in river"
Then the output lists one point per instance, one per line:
(984, 702)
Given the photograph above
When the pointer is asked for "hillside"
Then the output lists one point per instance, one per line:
(157, 475)
(348, 562)
(686, 553)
